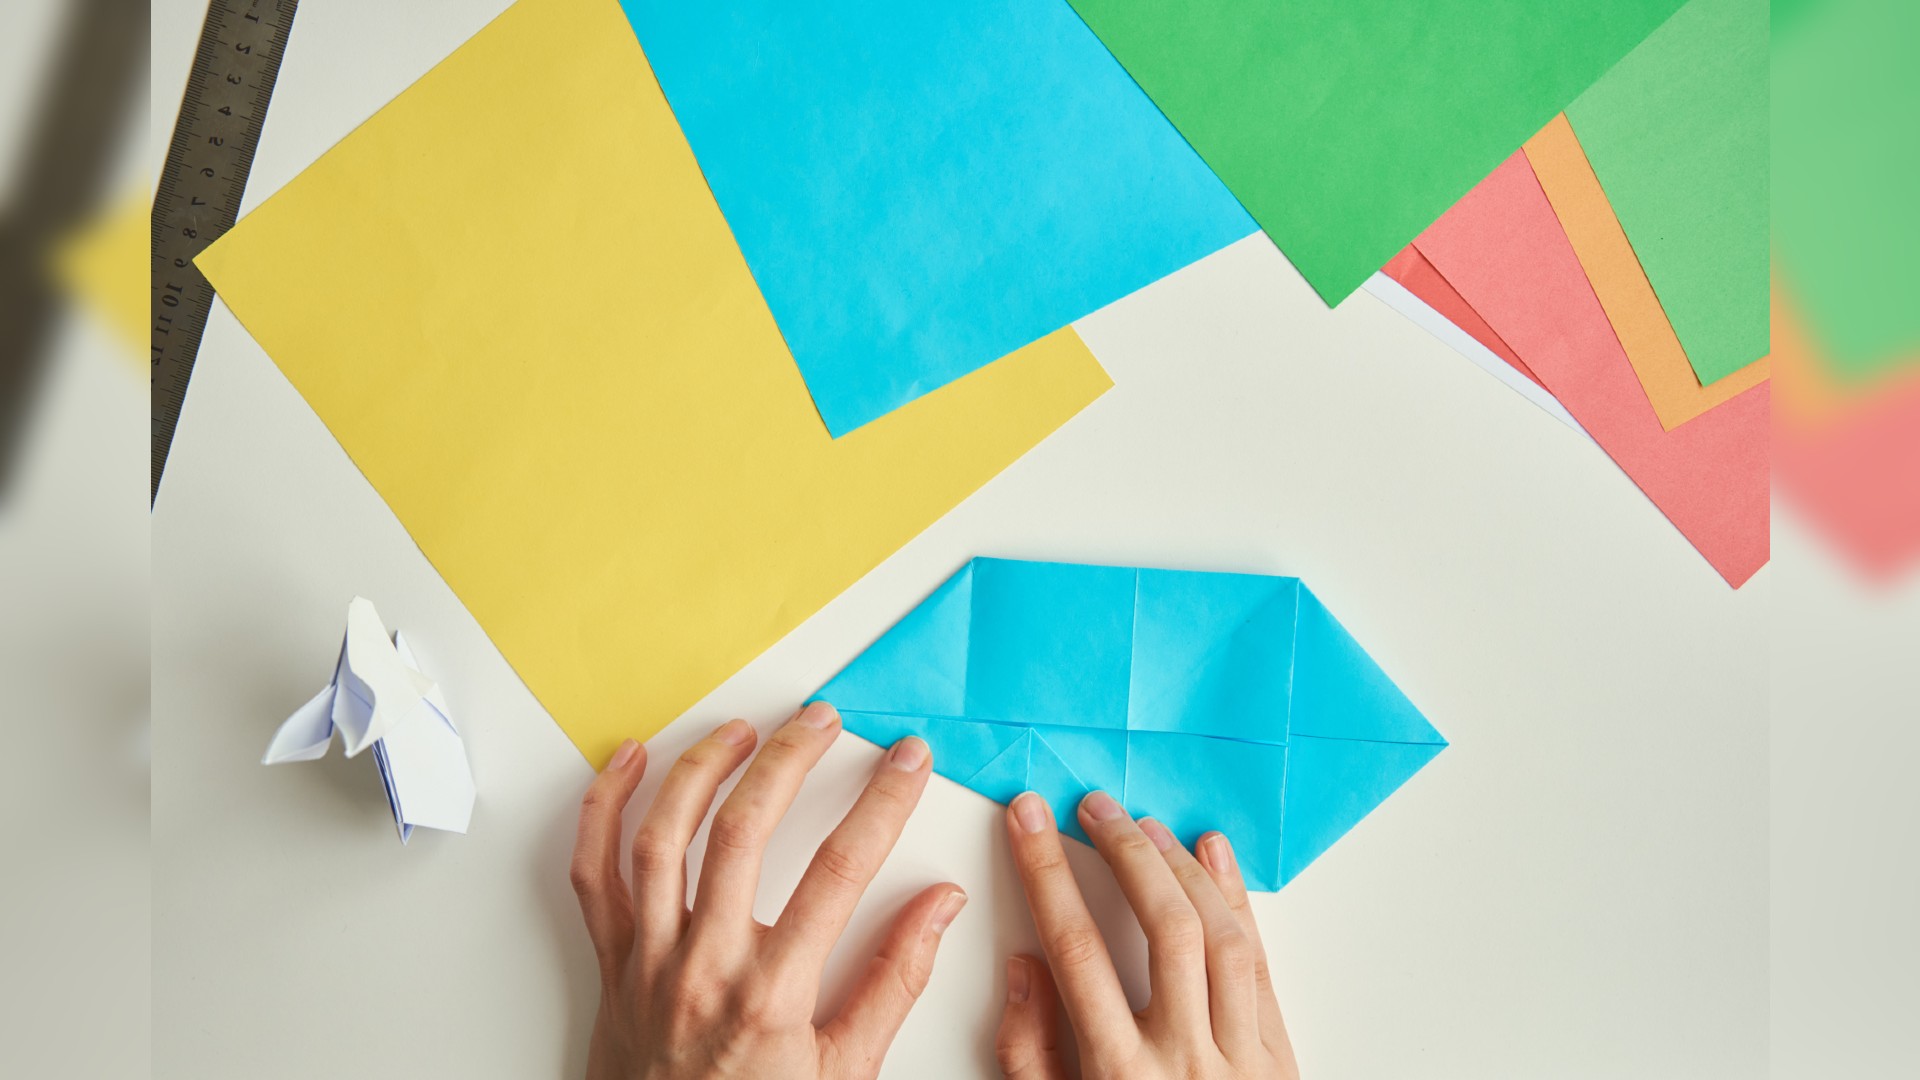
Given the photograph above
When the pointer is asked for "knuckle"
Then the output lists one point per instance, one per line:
(766, 1004)
(1074, 946)
(1262, 974)
(702, 754)
(910, 975)
(840, 869)
(891, 797)
(734, 831)
(1192, 877)
(1044, 860)
(1013, 1048)
(653, 852)
(690, 1011)
(780, 751)
(1179, 933)
(893, 788)
(1134, 845)
(585, 876)
(1232, 954)
(593, 800)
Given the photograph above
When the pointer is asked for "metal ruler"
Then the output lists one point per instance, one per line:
(201, 184)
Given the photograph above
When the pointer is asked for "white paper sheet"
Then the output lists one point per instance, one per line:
(1417, 311)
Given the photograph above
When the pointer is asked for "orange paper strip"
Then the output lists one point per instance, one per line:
(1848, 458)
(1622, 286)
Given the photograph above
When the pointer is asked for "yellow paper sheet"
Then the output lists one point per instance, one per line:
(106, 267)
(1627, 296)
(512, 299)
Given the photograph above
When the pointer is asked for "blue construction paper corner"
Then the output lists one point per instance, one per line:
(920, 189)
(1332, 784)
(1339, 692)
(920, 665)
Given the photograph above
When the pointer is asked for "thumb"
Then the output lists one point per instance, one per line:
(858, 1038)
(1028, 1044)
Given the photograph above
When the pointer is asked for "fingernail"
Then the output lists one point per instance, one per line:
(734, 732)
(1218, 853)
(1019, 980)
(623, 755)
(1157, 833)
(818, 714)
(944, 914)
(908, 754)
(1101, 807)
(1030, 811)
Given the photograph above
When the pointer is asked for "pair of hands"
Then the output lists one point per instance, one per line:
(707, 991)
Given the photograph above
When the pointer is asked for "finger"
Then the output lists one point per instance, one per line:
(1216, 854)
(1028, 1043)
(723, 903)
(595, 869)
(1230, 993)
(660, 844)
(846, 863)
(1176, 941)
(855, 1040)
(1075, 951)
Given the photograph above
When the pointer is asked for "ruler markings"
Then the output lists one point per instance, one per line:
(201, 187)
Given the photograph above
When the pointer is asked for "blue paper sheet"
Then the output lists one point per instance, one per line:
(921, 189)
(1233, 702)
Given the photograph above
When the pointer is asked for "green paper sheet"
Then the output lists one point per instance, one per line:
(1845, 219)
(1347, 126)
(1677, 134)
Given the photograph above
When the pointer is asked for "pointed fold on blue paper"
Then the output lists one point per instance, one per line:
(1005, 776)
(1229, 702)
(1332, 784)
(1340, 693)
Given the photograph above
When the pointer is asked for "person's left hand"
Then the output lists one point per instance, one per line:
(708, 991)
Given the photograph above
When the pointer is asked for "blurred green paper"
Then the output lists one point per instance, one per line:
(1845, 219)
(1345, 127)
(1677, 134)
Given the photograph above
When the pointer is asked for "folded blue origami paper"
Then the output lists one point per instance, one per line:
(923, 188)
(1233, 702)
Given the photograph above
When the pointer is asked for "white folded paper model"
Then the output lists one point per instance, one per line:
(378, 698)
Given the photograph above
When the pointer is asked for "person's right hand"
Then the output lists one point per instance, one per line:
(1212, 1010)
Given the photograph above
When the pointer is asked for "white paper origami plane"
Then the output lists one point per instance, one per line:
(378, 698)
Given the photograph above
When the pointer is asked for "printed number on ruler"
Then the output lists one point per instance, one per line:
(201, 185)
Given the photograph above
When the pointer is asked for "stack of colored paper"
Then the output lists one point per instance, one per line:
(672, 319)
(1619, 265)
(919, 189)
(802, 275)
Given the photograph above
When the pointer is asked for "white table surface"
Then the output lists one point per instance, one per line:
(1578, 887)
